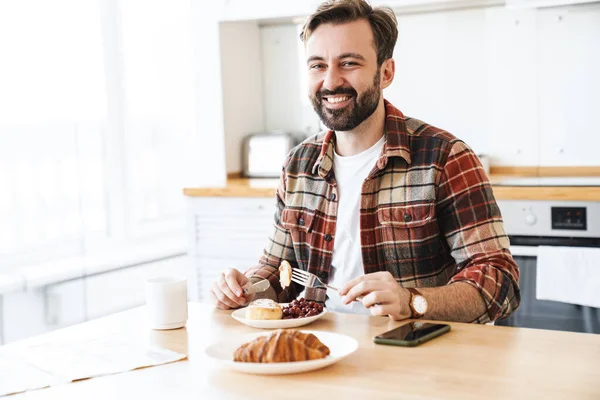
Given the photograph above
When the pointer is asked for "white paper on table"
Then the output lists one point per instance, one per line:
(18, 376)
(70, 360)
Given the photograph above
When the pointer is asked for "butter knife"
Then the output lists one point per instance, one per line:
(257, 287)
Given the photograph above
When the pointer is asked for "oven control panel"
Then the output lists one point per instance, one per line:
(578, 219)
(569, 218)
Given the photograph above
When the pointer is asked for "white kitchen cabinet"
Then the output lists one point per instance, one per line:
(441, 61)
(240, 10)
(225, 233)
(544, 3)
(569, 85)
(472, 72)
(511, 87)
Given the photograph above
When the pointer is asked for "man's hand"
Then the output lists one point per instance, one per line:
(382, 295)
(227, 291)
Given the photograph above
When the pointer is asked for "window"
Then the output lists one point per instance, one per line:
(159, 104)
(97, 117)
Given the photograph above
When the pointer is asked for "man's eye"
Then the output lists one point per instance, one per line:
(349, 64)
(317, 66)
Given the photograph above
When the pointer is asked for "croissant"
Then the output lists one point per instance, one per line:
(282, 346)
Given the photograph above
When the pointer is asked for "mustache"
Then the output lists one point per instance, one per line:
(338, 91)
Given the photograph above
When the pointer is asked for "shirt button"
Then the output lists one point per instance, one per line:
(301, 221)
(328, 238)
(407, 218)
(332, 197)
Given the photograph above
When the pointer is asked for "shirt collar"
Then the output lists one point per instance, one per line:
(396, 142)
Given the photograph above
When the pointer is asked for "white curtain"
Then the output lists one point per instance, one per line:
(97, 124)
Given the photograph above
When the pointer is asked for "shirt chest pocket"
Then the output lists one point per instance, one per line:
(408, 225)
(408, 235)
(410, 216)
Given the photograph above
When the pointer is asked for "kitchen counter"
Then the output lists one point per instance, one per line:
(557, 193)
(469, 362)
(239, 187)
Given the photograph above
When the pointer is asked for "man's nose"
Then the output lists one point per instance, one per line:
(333, 79)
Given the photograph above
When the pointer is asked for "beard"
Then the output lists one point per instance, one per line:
(352, 115)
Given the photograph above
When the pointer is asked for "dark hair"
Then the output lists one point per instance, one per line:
(382, 20)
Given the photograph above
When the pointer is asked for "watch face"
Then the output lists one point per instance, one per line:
(420, 304)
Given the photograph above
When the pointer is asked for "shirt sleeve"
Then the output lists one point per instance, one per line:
(279, 247)
(472, 224)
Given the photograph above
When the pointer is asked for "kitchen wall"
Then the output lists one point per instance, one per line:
(241, 69)
(286, 104)
(263, 89)
(518, 84)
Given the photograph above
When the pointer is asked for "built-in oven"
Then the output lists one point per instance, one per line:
(531, 224)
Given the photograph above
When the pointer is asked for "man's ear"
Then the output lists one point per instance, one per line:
(388, 70)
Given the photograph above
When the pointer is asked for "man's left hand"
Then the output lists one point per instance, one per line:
(382, 295)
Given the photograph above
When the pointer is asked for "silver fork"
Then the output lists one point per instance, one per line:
(308, 279)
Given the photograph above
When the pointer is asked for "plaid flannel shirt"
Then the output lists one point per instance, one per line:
(427, 215)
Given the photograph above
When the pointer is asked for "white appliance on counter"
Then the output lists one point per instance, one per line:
(263, 154)
(531, 224)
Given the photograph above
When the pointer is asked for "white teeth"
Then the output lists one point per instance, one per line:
(337, 99)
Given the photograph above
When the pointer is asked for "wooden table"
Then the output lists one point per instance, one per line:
(470, 362)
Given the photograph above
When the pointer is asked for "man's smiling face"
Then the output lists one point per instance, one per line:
(343, 76)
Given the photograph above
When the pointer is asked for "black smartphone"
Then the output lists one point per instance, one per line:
(411, 334)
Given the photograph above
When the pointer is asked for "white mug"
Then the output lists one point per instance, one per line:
(166, 302)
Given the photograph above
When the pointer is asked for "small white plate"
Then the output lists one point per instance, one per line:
(340, 346)
(240, 315)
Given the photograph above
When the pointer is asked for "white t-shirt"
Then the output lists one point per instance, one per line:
(347, 263)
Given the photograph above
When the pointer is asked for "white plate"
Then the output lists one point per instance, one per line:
(340, 346)
(240, 315)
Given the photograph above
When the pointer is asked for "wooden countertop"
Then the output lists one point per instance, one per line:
(559, 193)
(239, 187)
(469, 362)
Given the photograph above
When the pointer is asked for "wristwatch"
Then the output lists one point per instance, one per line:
(418, 303)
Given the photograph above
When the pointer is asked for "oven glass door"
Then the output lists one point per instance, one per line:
(544, 314)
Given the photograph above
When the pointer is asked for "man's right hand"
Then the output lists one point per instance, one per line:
(227, 292)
